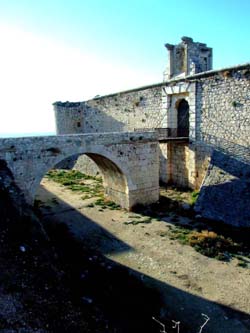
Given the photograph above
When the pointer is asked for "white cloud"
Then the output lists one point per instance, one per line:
(36, 71)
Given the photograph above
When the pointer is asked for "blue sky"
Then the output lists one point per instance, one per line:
(73, 50)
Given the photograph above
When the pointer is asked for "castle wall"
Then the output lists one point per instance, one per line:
(69, 117)
(222, 116)
(218, 118)
(223, 109)
(125, 111)
(222, 145)
(225, 192)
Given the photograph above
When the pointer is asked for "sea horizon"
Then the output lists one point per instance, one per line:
(24, 134)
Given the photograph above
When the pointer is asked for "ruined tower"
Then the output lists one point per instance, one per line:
(187, 58)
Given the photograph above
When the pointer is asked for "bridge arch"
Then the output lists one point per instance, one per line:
(116, 180)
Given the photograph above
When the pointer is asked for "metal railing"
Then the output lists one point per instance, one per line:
(165, 133)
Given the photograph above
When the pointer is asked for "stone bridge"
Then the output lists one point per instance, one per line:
(129, 162)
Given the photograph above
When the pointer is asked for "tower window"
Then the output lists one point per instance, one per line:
(205, 63)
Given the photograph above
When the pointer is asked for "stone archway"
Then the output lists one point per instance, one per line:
(115, 180)
(113, 177)
(182, 118)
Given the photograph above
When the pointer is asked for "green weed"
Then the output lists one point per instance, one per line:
(242, 263)
(135, 222)
(104, 203)
(180, 233)
(69, 175)
(85, 197)
(194, 197)
(207, 242)
(134, 216)
(74, 180)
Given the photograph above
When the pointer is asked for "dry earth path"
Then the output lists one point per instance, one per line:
(190, 282)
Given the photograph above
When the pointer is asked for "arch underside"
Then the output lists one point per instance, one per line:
(114, 180)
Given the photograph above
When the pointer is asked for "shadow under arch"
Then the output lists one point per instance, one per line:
(116, 180)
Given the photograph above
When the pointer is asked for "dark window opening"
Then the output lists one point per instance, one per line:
(183, 118)
(205, 64)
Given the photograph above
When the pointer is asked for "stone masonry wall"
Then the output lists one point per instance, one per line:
(223, 145)
(125, 111)
(225, 194)
(178, 154)
(218, 118)
(69, 117)
(222, 116)
(223, 106)
(81, 163)
(143, 108)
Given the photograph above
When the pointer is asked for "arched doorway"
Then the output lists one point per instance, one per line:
(183, 118)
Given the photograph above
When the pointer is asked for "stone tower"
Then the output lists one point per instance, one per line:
(69, 117)
(187, 58)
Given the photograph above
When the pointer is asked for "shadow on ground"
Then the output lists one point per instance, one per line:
(127, 298)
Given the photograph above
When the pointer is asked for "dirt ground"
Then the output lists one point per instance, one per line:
(190, 283)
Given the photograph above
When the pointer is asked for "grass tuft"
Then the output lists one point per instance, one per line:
(104, 203)
(194, 197)
(206, 242)
(135, 222)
